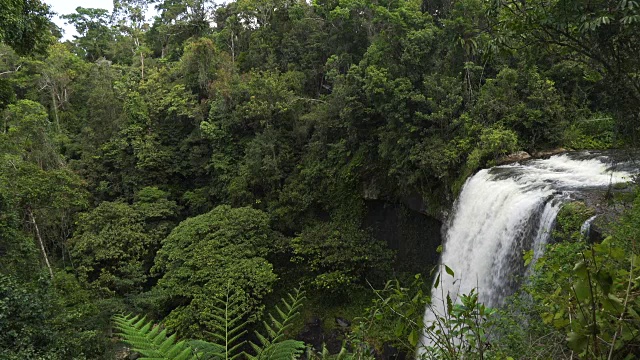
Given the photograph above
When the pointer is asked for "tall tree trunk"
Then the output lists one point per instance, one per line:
(141, 65)
(44, 251)
(55, 107)
(233, 48)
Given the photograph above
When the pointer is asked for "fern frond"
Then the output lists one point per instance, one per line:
(272, 347)
(150, 340)
(325, 352)
(229, 327)
(209, 351)
(283, 350)
(271, 332)
(262, 339)
(280, 312)
(344, 354)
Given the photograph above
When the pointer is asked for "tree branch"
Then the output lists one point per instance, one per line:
(11, 71)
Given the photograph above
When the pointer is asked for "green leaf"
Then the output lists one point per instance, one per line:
(613, 304)
(633, 313)
(413, 338)
(378, 315)
(448, 270)
(605, 281)
(580, 269)
(582, 290)
(399, 329)
(577, 342)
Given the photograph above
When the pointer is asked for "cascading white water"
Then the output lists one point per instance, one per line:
(585, 229)
(503, 211)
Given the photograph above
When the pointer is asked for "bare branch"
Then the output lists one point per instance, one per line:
(11, 71)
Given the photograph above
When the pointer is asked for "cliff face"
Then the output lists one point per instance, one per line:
(414, 235)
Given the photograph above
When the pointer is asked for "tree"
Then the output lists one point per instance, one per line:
(95, 32)
(339, 256)
(24, 25)
(57, 73)
(35, 177)
(177, 22)
(114, 243)
(22, 332)
(204, 255)
(129, 16)
(98, 105)
(199, 64)
(604, 35)
(528, 104)
(139, 147)
(52, 320)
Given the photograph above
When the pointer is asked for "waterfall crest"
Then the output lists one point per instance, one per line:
(504, 211)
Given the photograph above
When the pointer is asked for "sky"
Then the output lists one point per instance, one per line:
(62, 7)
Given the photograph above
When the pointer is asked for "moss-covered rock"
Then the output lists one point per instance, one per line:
(570, 219)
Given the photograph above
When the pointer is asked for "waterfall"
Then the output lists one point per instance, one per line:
(585, 229)
(504, 211)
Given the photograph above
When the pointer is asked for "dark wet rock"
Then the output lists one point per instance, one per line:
(313, 333)
(371, 191)
(596, 233)
(390, 352)
(316, 336)
(334, 340)
(314, 321)
(342, 322)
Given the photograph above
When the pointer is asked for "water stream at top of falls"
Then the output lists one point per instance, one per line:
(506, 210)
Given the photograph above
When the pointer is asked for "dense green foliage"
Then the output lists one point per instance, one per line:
(114, 244)
(157, 167)
(570, 219)
(205, 254)
(591, 291)
(339, 257)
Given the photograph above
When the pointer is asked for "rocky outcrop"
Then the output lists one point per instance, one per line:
(523, 155)
(515, 157)
(548, 153)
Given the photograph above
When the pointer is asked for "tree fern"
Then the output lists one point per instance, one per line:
(151, 341)
(273, 345)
